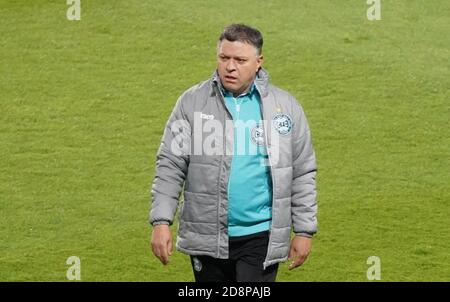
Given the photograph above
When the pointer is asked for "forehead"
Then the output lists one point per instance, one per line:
(235, 48)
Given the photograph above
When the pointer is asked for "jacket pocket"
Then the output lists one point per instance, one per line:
(199, 208)
(282, 215)
(202, 178)
(283, 182)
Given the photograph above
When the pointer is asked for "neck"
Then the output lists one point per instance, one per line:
(244, 91)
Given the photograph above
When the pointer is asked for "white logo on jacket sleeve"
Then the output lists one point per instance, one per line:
(282, 123)
(206, 116)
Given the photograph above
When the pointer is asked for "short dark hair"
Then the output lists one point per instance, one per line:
(243, 33)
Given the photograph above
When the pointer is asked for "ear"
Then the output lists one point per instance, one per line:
(259, 61)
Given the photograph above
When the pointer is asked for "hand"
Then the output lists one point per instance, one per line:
(300, 249)
(161, 242)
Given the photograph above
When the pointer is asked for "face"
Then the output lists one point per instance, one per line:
(237, 64)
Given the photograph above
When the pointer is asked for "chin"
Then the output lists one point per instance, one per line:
(231, 88)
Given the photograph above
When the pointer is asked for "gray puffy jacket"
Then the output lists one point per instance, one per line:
(203, 217)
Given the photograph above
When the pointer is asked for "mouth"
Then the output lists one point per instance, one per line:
(230, 79)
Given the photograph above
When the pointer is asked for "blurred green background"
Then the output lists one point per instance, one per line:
(83, 105)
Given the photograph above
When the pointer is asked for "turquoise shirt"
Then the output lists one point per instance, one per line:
(250, 183)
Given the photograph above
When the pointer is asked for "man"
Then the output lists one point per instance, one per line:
(245, 186)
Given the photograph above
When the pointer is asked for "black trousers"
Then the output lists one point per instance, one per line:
(245, 262)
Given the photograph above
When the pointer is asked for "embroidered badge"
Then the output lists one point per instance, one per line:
(197, 264)
(282, 123)
(257, 134)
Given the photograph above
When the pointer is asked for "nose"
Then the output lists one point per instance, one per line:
(230, 66)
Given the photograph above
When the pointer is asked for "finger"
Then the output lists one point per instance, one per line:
(153, 246)
(157, 252)
(293, 263)
(170, 248)
(298, 261)
(160, 255)
(164, 260)
(164, 254)
(291, 254)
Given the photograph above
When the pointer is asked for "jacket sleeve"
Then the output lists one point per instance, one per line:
(172, 161)
(304, 205)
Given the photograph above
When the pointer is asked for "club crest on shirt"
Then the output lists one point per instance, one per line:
(282, 123)
(257, 134)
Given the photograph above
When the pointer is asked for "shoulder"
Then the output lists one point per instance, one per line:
(196, 91)
(285, 98)
(194, 98)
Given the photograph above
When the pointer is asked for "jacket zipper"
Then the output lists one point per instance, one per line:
(221, 163)
(269, 153)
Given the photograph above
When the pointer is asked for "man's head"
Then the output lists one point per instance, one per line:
(239, 57)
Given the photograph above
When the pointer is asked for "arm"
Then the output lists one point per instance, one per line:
(304, 206)
(171, 168)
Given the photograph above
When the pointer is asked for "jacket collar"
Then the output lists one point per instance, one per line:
(261, 81)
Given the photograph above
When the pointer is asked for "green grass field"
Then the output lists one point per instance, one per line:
(83, 106)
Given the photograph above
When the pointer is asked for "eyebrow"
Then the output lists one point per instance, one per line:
(235, 57)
